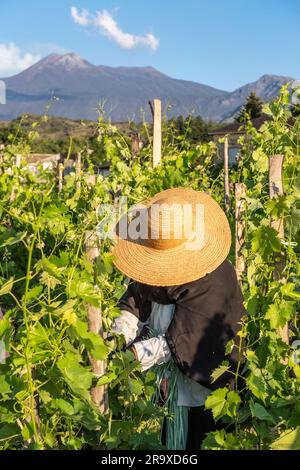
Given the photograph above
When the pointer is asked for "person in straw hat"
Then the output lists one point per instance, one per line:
(173, 249)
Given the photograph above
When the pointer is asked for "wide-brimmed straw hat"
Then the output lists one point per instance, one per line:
(175, 237)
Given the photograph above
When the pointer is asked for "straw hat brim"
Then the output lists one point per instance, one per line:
(179, 265)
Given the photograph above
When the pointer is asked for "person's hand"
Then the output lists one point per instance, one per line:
(132, 348)
(164, 389)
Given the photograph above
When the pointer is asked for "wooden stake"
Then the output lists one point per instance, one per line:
(91, 180)
(99, 393)
(156, 132)
(240, 192)
(275, 190)
(135, 144)
(60, 176)
(226, 175)
(18, 160)
(78, 171)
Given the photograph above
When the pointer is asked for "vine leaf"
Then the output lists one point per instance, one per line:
(4, 387)
(265, 240)
(259, 411)
(7, 286)
(222, 402)
(289, 440)
(93, 342)
(280, 312)
(13, 240)
(78, 378)
(224, 367)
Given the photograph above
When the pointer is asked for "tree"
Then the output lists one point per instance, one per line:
(195, 128)
(252, 108)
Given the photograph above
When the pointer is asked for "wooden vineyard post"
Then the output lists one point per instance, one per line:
(226, 175)
(99, 393)
(275, 190)
(156, 113)
(91, 180)
(18, 160)
(135, 144)
(60, 176)
(78, 171)
(240, 192)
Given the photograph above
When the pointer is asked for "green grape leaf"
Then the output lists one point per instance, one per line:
(265, 241)
(78, 378)
(135, 386)
(289, 440)
(220, 371)
(280, 312)
(13, 240)
(9, 430)
(216, 402)
(83, 290)
(93, 342)
(5, 388)
(233, 400)
(55, 218)
(7, 286)
(258, 411)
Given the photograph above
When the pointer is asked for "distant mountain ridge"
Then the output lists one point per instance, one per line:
(80, 86)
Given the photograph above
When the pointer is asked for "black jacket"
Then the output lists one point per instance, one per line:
(207, 315)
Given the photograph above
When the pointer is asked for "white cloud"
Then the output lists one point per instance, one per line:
(82, 17)
(110, 28)
(104, 21)
(13, 61)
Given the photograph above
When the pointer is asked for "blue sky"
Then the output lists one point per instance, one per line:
(222, 43)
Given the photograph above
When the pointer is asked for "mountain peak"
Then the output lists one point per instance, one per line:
(273, 78)
(69, 61)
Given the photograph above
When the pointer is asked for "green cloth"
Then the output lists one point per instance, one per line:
(177, 418)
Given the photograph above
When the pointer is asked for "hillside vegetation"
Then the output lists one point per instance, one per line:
(59, 135)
